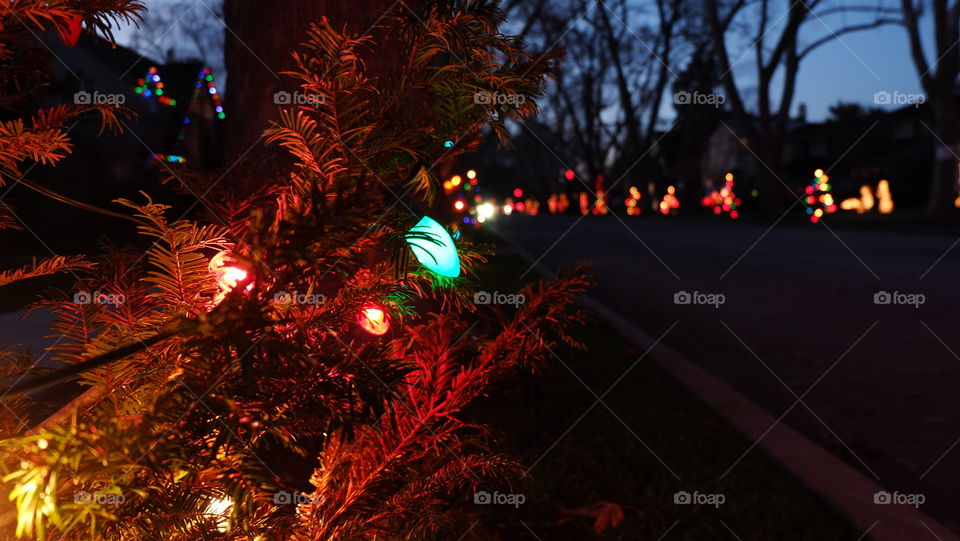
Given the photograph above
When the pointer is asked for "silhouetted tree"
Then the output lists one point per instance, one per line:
(939, 81)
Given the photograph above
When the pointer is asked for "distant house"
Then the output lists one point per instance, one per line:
(728, 150)
(177, 114)
(866, 147)
(858, 148)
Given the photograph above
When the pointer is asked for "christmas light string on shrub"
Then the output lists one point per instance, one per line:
(170, 158)
(151, 85)
(633, 202)
(724, 201)
(669, 204)
(818, 199)
(300, 381)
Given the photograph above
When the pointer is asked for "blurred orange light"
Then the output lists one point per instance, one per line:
(886, 200)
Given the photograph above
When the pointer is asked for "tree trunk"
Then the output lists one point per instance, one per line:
(261, 36)
(943, 187)
(939, 86)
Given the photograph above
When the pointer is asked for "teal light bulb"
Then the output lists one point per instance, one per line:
(433, 247)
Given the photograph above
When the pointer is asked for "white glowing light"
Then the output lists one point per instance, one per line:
(485, 211)
(221, 508)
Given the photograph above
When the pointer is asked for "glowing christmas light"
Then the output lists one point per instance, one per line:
(471, 174)
(724, 200)
(459, 204)
(819, 201)
(171, 158)
(584, 204)
(600, 204)
(373, 320)
(633, 201)
(886, 199)
(866, 201)
(152, 85)
(228, 275)
(669, 203)
(532, 207)
(569, 174)
(72, 34)
(485, 211)
(517, 192)
(508, 208)
(455, 181)
(433, 247)
(220, 509)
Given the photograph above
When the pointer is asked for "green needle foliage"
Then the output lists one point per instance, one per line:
(234, 410)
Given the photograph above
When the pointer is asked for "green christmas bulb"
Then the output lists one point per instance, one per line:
(433, 247)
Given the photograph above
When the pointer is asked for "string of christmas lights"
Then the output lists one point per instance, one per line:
(669, 204)
(633, 202)
(151, 85)
(819, 200)
(724, 200)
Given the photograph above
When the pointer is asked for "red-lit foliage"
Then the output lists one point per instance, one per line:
(214, 392)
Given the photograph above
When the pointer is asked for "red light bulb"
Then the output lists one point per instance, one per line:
(374, 320)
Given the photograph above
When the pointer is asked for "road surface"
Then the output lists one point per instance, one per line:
(878, 384)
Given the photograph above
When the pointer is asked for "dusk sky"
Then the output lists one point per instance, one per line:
(849, 69)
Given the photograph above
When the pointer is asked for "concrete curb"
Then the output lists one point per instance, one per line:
(842, 486)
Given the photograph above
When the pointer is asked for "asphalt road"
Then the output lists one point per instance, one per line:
(879, 383)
